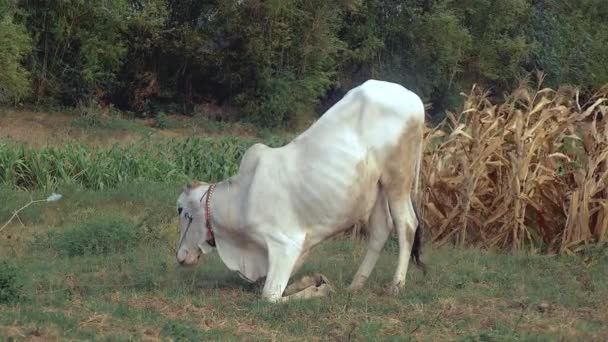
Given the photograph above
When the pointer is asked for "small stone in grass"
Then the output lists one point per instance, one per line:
(544, 306)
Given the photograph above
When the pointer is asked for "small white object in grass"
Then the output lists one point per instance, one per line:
(54, 197)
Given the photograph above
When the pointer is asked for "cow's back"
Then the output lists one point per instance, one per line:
(376, 113)
(332, 170)
(327, 178)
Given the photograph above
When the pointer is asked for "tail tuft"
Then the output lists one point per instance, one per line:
(417, 245)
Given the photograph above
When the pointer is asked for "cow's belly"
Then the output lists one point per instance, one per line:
(338, 191)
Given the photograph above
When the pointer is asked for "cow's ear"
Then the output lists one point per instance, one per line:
(192, 185)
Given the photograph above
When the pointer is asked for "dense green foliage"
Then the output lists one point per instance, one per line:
(15, 44)
(276, 59)
(571, 41)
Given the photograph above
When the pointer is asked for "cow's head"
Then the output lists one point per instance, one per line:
(192, 241)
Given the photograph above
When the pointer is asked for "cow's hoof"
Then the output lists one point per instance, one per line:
(394, 289)
(353, 289)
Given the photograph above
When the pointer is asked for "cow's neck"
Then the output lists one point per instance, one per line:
(224, 210)
(232, 242)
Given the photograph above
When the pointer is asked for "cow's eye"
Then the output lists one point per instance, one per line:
(179, 210)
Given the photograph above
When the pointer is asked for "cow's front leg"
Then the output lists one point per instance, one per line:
(305, 282)
(283, 255)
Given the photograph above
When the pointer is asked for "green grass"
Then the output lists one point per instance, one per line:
(99, 235)
(111, 123)
(135, 291)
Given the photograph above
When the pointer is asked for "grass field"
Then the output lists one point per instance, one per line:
(98, 265)
(74, 288)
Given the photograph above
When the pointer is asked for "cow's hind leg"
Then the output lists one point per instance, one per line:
(379, 229)
(406, 223)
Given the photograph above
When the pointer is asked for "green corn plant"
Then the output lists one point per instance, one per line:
(98, 168)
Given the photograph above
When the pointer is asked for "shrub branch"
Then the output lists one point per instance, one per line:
(54, 197)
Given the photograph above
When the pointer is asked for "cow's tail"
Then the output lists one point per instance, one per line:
(417, 244)
(418, 162)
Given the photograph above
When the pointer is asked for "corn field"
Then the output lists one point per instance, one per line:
(530, 171)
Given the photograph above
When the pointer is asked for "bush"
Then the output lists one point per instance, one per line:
(182, 331)
(99, 235)
(92, 115)
(279, 98)
(80, 47)
(10, 284)
(161, 120)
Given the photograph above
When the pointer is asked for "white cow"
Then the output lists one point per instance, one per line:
(359, 162)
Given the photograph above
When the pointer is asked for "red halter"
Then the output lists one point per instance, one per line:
(210, 237)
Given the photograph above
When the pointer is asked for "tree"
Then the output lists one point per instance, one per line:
(15, 46)
(79, 46)
(571, 42)
(277, 59)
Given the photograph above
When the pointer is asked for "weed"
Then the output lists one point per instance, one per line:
(91, 115)
(97, 235)
(97, 121)
(210, 125)
(10, 283)
(182, 331)
(161, 120)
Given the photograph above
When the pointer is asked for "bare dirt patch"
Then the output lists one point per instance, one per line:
(55, 128)
(12, 331)
(33, 127)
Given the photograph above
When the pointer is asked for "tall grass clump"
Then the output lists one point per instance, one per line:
(11, 287)
(100, 235)
(530, 171)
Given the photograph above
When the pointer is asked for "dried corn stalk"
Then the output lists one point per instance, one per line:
(531, 171)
